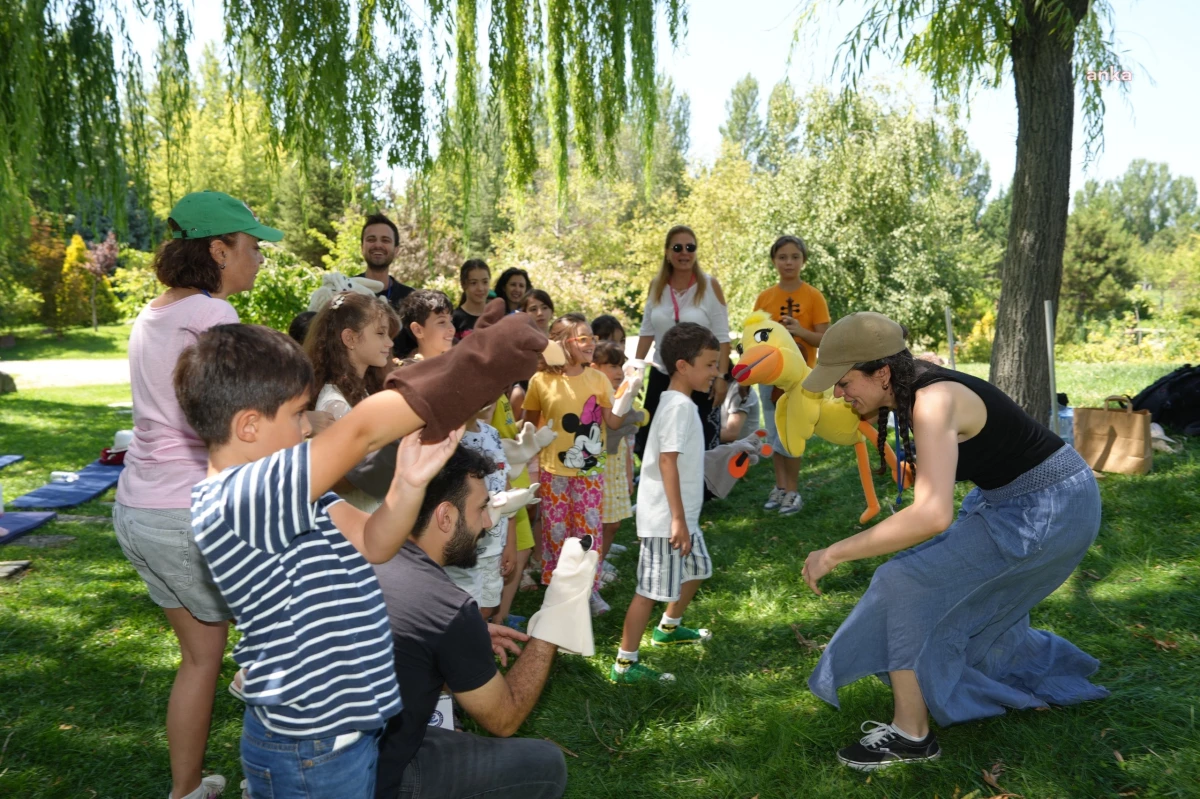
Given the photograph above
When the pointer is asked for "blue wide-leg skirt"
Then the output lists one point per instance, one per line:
(955, 609)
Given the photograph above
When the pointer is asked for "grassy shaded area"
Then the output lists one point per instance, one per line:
(86, 660)
(1090, 383)
(33, 343)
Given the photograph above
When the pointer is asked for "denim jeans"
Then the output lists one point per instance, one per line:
(281, 767)
(459, 765)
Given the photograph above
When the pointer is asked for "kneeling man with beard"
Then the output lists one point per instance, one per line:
(440, 640)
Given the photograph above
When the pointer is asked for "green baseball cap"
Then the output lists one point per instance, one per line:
(855, 338)
(213, 213)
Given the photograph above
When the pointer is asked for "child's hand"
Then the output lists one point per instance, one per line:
(508, 559)
(417, 463)
(681, 539)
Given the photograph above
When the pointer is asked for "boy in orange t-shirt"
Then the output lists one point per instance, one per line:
(802, 310)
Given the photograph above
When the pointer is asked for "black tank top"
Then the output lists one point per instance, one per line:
(1010, 443)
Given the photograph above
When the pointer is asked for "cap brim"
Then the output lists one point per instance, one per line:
(264, 233)
(822, 377)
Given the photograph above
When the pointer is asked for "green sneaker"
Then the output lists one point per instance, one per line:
(638, 673)
(680, 635)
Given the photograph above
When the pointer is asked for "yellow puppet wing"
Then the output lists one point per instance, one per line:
(795, 418)
(838, 423)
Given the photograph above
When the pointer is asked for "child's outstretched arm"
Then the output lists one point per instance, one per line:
(380, 535)
(378, 420)
(439, 394)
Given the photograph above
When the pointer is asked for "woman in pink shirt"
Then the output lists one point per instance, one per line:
(212, 253)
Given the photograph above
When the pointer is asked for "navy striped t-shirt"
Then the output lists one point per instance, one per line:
(315, 638)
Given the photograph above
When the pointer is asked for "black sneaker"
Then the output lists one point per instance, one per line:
(883, 746)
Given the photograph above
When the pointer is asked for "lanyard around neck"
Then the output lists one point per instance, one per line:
(674, 301)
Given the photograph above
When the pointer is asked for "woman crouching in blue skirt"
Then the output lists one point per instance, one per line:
(945, 622)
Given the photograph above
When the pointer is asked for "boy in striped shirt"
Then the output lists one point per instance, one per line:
(293, 561)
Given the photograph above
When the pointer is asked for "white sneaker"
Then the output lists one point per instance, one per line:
(792, 503)
(210, 787)
(775, 499)
(617, 549)
(598, 605)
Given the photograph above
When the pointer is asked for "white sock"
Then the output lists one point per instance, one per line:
(905, 735)
(631, 657)
(667, 624)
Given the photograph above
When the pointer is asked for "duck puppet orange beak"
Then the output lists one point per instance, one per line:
(761, 363)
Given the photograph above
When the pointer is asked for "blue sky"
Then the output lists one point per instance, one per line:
(726, 40)
(1158, 122)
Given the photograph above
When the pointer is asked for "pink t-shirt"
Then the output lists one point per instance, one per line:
(166, 457)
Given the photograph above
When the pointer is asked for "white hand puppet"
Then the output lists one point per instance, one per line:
(630, 387)
(334, 283)
(565, 618)
(508, 503)
(525, 447)
(726, 464)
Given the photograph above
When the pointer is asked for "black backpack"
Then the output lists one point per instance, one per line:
(1174, 400)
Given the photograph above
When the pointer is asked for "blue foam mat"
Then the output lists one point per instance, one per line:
(14, 525)
(9, 460)
(94, 480)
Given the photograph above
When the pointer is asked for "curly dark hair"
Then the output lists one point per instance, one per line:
(187, 263)
(903, 373)
(418, 307)
(324, 346)
(502, 283)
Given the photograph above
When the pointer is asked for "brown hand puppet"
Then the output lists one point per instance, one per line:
(448, 390)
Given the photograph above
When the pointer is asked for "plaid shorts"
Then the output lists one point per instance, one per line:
(662, 569)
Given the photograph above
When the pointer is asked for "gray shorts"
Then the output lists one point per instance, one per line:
(160, 546)
(662, 570)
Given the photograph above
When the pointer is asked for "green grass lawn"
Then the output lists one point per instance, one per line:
(86, 660)
(110, 341)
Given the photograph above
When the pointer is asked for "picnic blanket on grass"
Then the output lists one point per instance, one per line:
(94, 480)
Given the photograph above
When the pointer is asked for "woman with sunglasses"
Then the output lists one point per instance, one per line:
(681, 292)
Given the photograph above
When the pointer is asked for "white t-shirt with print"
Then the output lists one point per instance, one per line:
(675, 428)
(487, 440)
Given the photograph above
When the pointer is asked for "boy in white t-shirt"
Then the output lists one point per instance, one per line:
(674, 559)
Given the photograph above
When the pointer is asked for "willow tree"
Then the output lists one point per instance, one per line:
(359, 79)
(1049, 46)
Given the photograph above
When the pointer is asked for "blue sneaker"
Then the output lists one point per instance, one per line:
(516, 622)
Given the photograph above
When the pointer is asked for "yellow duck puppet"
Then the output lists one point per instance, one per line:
(770, 356)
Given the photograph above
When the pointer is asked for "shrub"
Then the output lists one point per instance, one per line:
(134, 283)
(79, 288)
(977, 346)
(20, 307)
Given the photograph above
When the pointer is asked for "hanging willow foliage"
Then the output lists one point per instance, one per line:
(347, 80)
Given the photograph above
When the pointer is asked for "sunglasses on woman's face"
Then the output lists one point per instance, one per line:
(682, 247)
(583, 341)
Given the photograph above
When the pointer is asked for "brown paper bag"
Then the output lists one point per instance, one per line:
(1114, 439)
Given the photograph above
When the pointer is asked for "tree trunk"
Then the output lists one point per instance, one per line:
(1032, 269)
